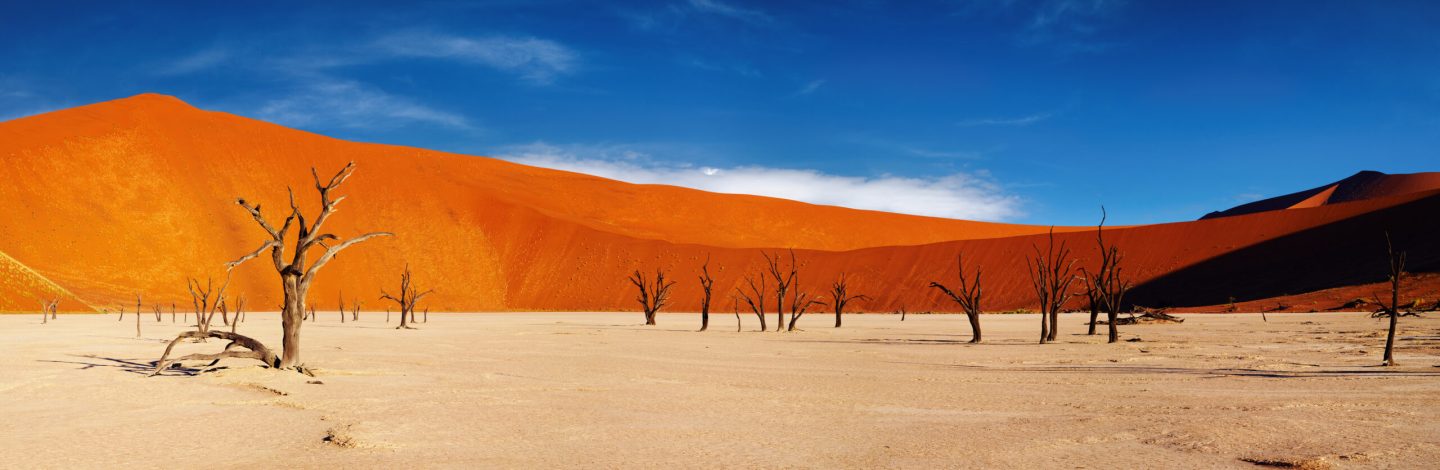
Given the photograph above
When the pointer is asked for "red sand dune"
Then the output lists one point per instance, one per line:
(135, 195)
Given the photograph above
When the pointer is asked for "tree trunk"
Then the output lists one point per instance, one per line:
(1044, 327)
(974, 327)
(705, 316)
(1111, 317)
(1054, 325)
(1094, 315)
(1390, 341)
(291, 319)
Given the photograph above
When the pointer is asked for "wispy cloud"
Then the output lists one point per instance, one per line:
(717, 7)
(536, 60)
(741, 69)
(202, 60)
(809, 88)
(1021, 121)
(1065, 26)
(330, 102)
(974, 196)
(667, 18)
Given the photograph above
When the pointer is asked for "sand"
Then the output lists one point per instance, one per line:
(603, 391)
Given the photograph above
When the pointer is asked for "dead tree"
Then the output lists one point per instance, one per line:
(406, 299)
(137, 315)
(707, 283)
(652, 296)
(1392, 310)
(968, 298)
(840, 297)
(1051, 273)
(48, 309)
(1109, 282)
(159, 313)
(735, 303)
(295, 275)
(427, 315)
(756, 298)
(783, 282)
(1092, 300)
(799, 304)
(206, 304)
(312, 311)
(341, 308)
(355, 312)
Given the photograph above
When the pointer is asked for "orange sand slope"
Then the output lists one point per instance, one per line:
(135, 195)
(1358, 187)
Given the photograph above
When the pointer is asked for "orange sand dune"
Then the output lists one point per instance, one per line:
(135, 195)
(1358, 187)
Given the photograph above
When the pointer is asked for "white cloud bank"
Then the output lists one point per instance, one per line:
(972, 196)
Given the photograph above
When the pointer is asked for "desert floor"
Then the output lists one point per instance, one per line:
(601, 390)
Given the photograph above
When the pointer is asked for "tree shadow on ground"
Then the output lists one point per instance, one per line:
(130, 366)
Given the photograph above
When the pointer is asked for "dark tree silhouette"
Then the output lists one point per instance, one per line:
(406, 299)
(840, 297)
(707, 284)
(653, 295)
(1392, 310)
(783, 281)
(1051, 273)
(1092, 300)
(756, 298)
(968, 298)
(1109, 282)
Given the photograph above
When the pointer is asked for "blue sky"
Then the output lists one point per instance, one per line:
(1023, 111)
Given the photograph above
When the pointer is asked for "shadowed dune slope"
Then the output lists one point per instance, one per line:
(135, 195)
(1357, 187)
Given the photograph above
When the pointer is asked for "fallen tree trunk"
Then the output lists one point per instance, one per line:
(255, 350)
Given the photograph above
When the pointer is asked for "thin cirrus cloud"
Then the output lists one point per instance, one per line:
(1014, 122)
(717, 7)
(972, 196)
(338, 103)
(536, 60)
(314, 93)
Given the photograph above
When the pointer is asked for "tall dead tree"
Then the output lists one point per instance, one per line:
(1109, 282)
(296, 275)
(159, 313)
(406, 299)
(968, 298)
(1051, 273)
(840, 297)
(707, 283)
(1392, 310)
(137, 315)
(652, 295)
(756, 298)
(341, 306)
(784, 279)
(355, 312)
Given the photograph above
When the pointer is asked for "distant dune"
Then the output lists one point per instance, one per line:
(135, 195)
